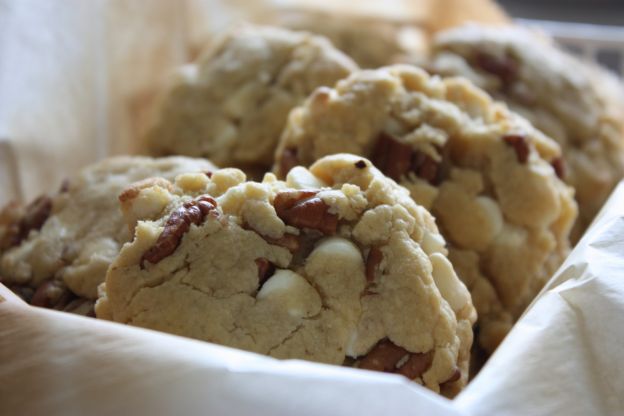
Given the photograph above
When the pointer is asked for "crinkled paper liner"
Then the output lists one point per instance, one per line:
(564, 357)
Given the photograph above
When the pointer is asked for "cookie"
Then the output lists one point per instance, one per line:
(56, 249)
(371, 41)
(575, 103)
(337, 264)
(486, 174)
(232, 104)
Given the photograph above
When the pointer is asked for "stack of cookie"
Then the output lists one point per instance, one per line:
(373, 218)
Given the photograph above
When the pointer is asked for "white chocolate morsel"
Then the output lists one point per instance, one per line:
(301, 178)
(292, 292)
(451, 288)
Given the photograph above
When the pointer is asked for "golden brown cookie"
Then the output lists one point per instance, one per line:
(575, 103)
(232, 104)
(57, 248)
(336, 264)
(486, 174)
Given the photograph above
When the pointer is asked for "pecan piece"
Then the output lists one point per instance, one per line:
(52, 294)
(390, 358)
(265, 270)
(416, 365)
(426, 168)
(372, 263)
(290, 242)
(395, 159)
(84, 307)
(454, 377)
(558, 165)
(383, 357)
(520, 145)
(505, 68)
(392, 157)
(303, 209)
(37, 213)
(178, 223)
(288, 160)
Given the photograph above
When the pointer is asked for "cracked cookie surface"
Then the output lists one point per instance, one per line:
(578, 105)
(336, 264)
(486, 175)
(56, 250)
(231, 105)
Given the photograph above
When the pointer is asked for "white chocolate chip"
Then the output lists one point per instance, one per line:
(292, 292)
(493, 213)
(336, 247)
(433, 243)
(451, 288)
(301, 178)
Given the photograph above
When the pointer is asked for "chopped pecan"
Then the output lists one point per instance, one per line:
(52, 294)
(505, 68)
(520, 145)
(390, 358)
(360, 164)
(290, 242)
(178, 223)
(288, 160)
(395, 159)
(416, 365)
(558, 165)
(383, 357)
(454, 377)
(265, 270)
(78, 306)
(426, 168)
(37, 212)
(303, 209)
(392, 157)
(372, 263)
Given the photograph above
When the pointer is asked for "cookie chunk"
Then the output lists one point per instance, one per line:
(337, 264)
(486, 174)
(578, 105)
(231, 105)
(56, 249)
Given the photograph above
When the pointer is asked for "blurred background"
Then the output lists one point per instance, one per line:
(608, 12)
